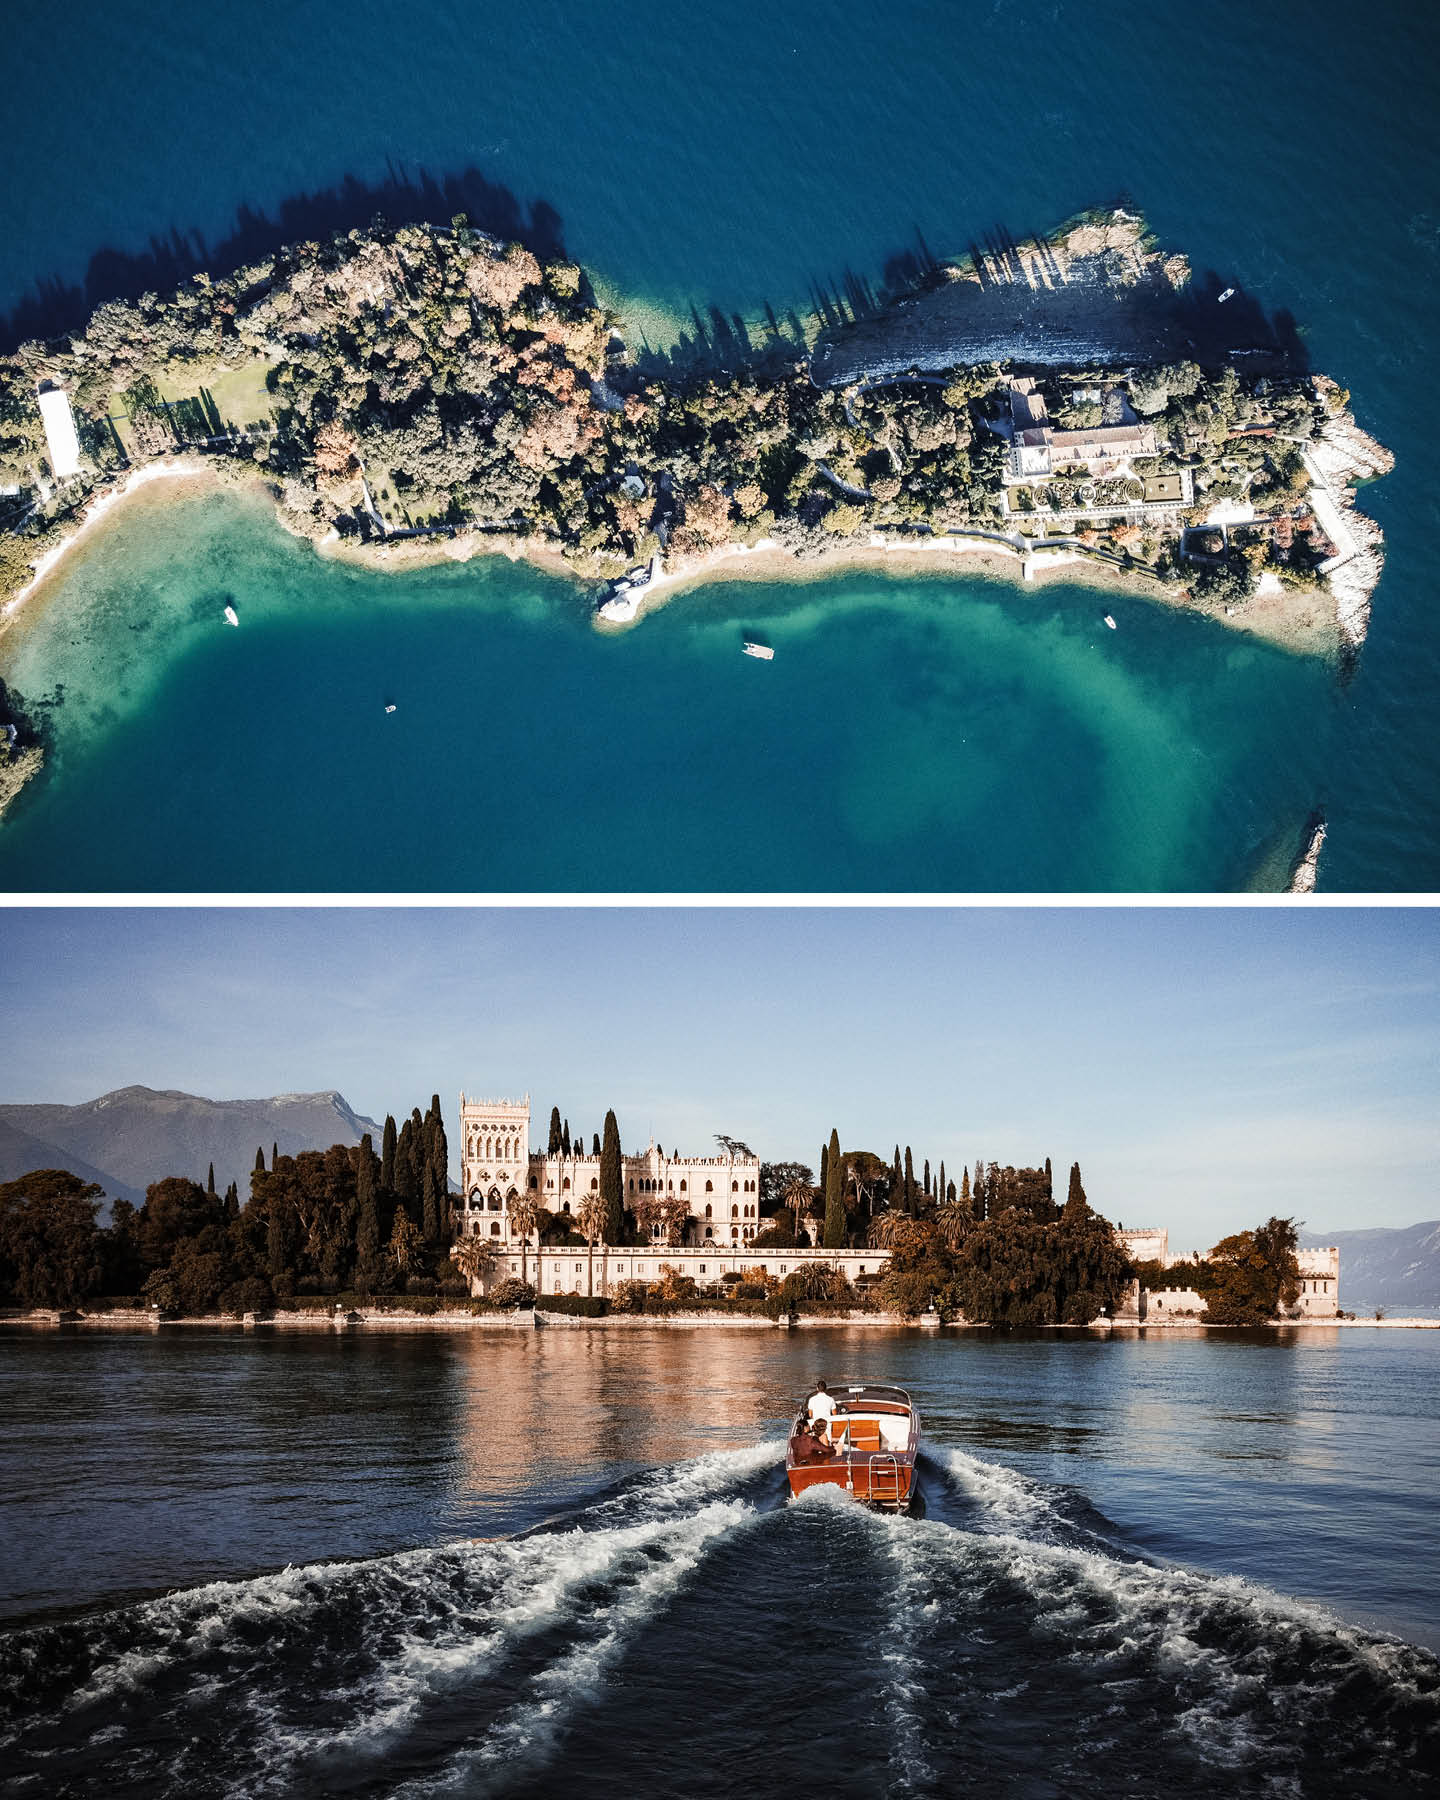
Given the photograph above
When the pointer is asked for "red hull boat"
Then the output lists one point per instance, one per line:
(874, 1439)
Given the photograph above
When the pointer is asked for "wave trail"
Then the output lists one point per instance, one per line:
(1051, 1663)
(528, 1733)
(255, 1686)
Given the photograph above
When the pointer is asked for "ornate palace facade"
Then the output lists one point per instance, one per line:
(705, 1200)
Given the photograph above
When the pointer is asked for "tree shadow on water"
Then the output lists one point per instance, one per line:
(57, 306)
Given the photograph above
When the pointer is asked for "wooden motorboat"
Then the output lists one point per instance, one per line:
(874, 1439)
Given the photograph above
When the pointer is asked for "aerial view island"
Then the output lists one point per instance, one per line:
(1073, 401)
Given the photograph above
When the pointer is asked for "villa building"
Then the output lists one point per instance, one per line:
(1319, 1277)
(1038, 450)
(703, 1201)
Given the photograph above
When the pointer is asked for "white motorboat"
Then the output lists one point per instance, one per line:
(1229, 294)
(390, 709)
(763, 651)
(231, 616)
(1110, 622)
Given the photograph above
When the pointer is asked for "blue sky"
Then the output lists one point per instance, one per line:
(1205, 1066)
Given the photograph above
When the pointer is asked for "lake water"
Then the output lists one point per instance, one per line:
(908, 735)
(388, 1562)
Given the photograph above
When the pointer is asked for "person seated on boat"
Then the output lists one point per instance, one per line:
(820, 1405)
(810, 1446)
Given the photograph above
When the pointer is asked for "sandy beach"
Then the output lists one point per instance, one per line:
(1298, 622)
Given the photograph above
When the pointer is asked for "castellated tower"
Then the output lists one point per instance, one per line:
(494, 1165)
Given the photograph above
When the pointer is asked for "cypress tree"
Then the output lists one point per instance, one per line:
(595, 1151)
(210, 1183)
(927, 1177)
(612, 1183)
(565, 1137)
(232, 1202)
(387, 1155)
(909, 1181)
(274, 1154)
(430, 1208)
(407, 1180)
(834, 1195)
(950, 1194)
(825, 1168)
(554, 1143)
(940, 1195)
(964, 1185)
(1049, 1182)
(1075, 1202)
(260, 1159)
(367, 1219)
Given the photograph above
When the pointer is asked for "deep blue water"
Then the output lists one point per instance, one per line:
(516, 1562)
(731, 158)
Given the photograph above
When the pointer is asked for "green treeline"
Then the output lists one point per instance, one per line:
(997, 1248)
(342, 1220)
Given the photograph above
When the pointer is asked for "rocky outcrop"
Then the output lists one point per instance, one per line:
(20, 766)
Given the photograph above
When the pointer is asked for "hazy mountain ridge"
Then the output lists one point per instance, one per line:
(135, 1135)
(1388, 1266)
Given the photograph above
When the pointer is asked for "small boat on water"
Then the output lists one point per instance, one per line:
(1229, 294)
(874, 1438)
(1110, 622)
(231, 616)
(763, 651)
(390, 709)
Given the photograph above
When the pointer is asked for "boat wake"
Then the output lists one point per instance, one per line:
(681, 1630)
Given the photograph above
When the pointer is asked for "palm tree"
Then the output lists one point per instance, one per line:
(954, 1219)
(474, 1257)
(590, 1217)
(798, 1196)
(524, 1210)
(885, 1230)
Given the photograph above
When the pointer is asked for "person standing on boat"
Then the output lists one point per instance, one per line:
(820, 1405)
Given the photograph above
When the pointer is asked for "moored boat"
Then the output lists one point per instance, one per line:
(763, 651)
(231, 616)
(874, 1438)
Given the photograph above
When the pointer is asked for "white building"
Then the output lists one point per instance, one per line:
(699, 1201)
(60, 436)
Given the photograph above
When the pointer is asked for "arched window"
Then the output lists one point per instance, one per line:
(474, 1228)
(682, 1187)
(709, 1231)
(709, 1187)
(534, 1181)
(632, 1184)
(735, 1231)
(495, 1228)
(565, 1187)
(734, 1212)
(494, 1203)
(734, 1187)
(594, 1185)
(709, 1211)
(566, 1207)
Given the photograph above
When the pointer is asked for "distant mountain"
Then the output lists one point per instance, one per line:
(1393, 1267)
(136, 1135)
(20, 1152)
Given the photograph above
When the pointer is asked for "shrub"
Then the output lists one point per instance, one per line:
(629, 1297)
(582, 1306)
(511, 1294)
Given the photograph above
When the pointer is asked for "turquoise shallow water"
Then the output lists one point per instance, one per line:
(911, 733)
(733, 158)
